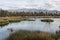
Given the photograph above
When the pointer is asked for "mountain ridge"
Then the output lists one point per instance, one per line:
(34, 10)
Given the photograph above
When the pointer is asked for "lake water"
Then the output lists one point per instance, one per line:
(51, 27)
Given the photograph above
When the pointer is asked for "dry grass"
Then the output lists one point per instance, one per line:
(30, 35)
(6, 20)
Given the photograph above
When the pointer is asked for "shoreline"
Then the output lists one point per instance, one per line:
(33, 17)
(7, 20)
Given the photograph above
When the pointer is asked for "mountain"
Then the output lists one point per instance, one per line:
(34, 10)
(26, 10)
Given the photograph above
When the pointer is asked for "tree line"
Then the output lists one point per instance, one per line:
(4, 13)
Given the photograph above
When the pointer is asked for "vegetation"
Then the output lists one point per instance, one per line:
(3, 22)
(47, 20)
(15, 19)
(4, 13)
(7, 16)
(58, 35)
(6, 20)
(31, 35)
(30, 20)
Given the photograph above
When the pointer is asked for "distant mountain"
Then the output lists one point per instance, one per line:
(34, 10)
(26, 10)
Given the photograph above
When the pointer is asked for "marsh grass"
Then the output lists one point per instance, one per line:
(30, 35)
(58, 34)
(6, 20)
(29, 20)
(47, 20)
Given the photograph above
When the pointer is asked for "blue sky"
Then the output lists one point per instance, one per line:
(43, 4)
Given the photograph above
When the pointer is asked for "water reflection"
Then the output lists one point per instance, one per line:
(30, 25)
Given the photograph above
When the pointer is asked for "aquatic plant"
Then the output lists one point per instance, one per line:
(47, 20)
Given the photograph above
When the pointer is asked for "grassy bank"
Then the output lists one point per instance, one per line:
(15, 19)
(3, 22)
(31, 35)
(43, 16)
(6, 20)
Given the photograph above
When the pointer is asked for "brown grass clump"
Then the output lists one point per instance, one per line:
(29, 35)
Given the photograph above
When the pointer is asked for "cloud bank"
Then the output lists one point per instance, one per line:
(39, 4)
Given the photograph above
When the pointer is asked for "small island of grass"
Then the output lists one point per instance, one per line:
(47, 20)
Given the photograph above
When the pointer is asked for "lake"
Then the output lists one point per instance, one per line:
(36, 25)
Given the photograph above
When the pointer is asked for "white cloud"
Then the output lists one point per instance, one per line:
(44, 4)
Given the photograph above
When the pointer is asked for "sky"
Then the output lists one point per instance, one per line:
(38, 4)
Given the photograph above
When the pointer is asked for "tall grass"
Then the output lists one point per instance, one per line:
(3, 22)
(6, 20)
(30, 35)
